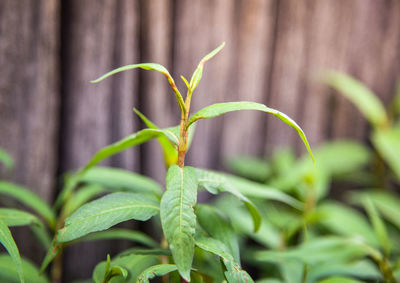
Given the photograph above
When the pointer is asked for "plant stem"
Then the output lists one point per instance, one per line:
(183, 133)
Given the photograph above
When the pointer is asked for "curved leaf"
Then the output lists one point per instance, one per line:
(7, 241)
(234, 273)
(152, 67)
(362, 97)
(123, 234)
(119, 179)
(198, 73)
(14, 217)
(6, 159)
(222, 108)
(29, 199)
(177, 216)
(79, 198)
(105, 212)
(156, 270)
(9, 274)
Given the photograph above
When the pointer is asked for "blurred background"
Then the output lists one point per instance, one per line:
(53, 120)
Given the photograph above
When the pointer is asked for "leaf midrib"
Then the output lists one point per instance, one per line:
(181, 201)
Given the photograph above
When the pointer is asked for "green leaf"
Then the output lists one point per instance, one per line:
(6, 159)
(177, 216)
(211, 220)
(387, 143)
(156, 270)
(119, 179)
(134, 264)
(169, 151)
(29, 199)
(14, 217)
(250, 167)
(7, 241)
(362, 97)
(9, 274)
(198, 73)
(339, 280)
(234, 273)
(377, 224)
(222, 108)
(105, 212)
(52, 252)
(152, 67)
(122, 234)
(79, 198)
(346, 221)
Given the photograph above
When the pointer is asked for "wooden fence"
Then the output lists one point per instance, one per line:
(53, 120)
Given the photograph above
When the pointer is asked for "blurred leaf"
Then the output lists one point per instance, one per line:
(52, 252)
(215, 183)
(177, 216)
(377, 224)
(14, 217)
(6, 159)
(122, 234)
(156, 270)
(169, 151)
(222, 108)
(387, 143)
(7, 241)
(197, 74)
(249, 167)
(339, 280)
(346, 221)
(29, 199)
(134, 264)
(79, 198)
(9, 274)
(119, 179)
(362, 97)
(214, 224)
(152, 67)
(233, 272)
(105, 212)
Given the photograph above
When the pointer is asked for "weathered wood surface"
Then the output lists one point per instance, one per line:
(52, 119)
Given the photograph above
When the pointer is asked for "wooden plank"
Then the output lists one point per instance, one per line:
(98, 36)
(29, 97)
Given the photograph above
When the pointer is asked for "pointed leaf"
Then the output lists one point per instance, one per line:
(105, 212)
(6, 159)
(156, 270)
(177, 216)
(234, 273)
(152, 67)
(7, 241)
(198, 73)
(119, 179)
(29, 199)
(9, 274)
(222, 108)
(52, 252)
(362, 97)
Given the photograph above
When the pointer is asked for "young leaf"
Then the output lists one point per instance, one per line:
(156, 270)
(222, 108)
(29, 199)
(170, 152)
(177, 216)
(119, 179)
(123, 234)
(7, 241)
(105, 212)
(152, 67)
(14, 217)
(6, 159)
(234, 273)
(198, 73)
(211, 220)
(362, 97)
(9, 273)
(387, 143)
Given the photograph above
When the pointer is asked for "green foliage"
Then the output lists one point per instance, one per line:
(7, 241)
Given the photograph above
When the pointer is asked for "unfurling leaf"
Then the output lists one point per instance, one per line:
(222, 108)
(177, 216)
(105, 212)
